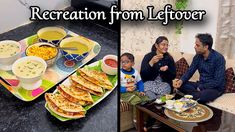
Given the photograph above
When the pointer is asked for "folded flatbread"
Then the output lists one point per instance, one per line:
(81, 83)
(75, 95)
(96, 77)
(63, 107)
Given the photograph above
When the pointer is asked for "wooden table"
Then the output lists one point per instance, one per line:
(220, 121)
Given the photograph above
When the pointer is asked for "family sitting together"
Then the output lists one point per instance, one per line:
(158, 73)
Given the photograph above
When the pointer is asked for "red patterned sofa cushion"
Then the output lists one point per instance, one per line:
(230, 81)
(181, 67)
(125, 107)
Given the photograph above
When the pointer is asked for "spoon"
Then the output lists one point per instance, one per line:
(67, 48)
(63, 48)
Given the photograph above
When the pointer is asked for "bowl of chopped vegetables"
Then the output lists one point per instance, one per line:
(46, 51)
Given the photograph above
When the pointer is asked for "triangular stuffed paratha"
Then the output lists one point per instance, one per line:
(96, 77)
(75, 95)
(63, 107)
(83, 84)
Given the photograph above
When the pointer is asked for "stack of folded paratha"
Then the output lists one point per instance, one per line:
(63, 107)
(68, 101)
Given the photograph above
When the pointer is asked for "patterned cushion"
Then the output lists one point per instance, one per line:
(125, 106)
(181, 67)
(230, 81)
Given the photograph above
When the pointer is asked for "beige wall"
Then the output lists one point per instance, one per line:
(13, 14)
(138, 37)
(209, 25)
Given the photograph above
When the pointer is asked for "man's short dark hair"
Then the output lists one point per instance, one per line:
(129, 56)
(206, 39)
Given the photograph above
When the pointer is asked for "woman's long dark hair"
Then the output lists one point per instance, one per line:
(158, 41)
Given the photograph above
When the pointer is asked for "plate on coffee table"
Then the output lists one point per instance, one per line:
(181, 105)
(199, 113)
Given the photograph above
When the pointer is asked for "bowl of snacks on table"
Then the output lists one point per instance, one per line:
(188, 96)
(164, 98)
(51, 35)
(29, 70)
(80, 44)
(46, 51)
(10, 51)
(178, 105)
(109, 64)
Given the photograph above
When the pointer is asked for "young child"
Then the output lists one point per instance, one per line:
(132, 87)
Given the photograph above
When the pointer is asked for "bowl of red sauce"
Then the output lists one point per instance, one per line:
(109, 64)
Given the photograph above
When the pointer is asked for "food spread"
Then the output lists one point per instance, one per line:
(80, 90)
(198, 113)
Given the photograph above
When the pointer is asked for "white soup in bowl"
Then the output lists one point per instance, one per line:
(9, 48)
(29, 68)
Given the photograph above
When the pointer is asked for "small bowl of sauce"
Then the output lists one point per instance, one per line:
(109, 64)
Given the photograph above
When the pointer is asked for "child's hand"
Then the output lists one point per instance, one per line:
(130, 88)
(164, 68)
(142, 93)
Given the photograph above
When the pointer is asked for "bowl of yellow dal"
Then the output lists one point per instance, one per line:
(78, 42)
(51, 35)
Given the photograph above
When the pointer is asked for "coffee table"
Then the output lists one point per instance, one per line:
(220, 121)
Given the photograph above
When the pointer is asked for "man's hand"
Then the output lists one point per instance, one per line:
(164, 68)
(142, 93)
(155, 59)
(177, 83)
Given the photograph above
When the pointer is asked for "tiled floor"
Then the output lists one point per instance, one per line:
(164, 128)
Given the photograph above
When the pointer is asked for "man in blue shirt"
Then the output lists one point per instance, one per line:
(211, 67)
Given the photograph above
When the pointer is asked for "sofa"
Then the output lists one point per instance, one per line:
(224, 102)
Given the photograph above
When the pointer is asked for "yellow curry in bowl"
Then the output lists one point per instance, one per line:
(46, 51)
(81, 44)
(51, 35)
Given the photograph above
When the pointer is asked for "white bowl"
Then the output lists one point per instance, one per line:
(178, 105)
(51, 60)
(8, 55)
(170, 103)
(32, 81)
(106, 67)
